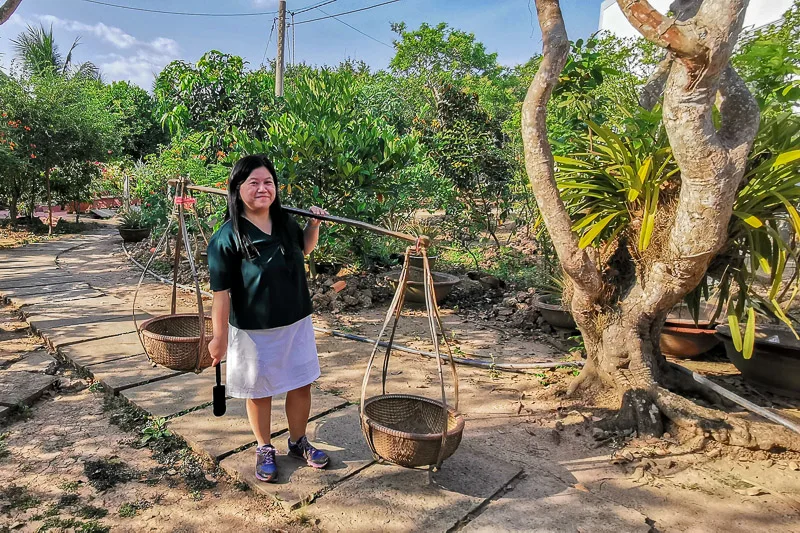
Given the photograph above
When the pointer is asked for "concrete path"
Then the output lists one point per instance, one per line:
(94, 332)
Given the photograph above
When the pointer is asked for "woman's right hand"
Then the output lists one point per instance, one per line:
(217, 348)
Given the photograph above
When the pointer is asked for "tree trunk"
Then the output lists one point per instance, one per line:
(7, 9)
(49, 204)
(12, 208)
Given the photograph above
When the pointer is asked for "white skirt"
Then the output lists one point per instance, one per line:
(264, 362)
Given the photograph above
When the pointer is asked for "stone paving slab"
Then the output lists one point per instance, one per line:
(27, 279)
(176, 394)
(66, 334)
(543, 503)
(95, 307)
(100, 351)
(116, 376)
(23, 387)
(338, 434)
(391, 498)
(215, 437)
(76, 294)
(37, 361)
(55, 287)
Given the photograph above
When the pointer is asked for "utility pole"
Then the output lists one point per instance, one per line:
(281, 43)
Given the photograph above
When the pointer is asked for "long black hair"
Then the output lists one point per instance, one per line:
(280, 219)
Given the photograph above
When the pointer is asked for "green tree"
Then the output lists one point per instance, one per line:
(140, 132)
(39, 53)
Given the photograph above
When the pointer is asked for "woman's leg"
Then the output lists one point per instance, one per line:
(298, 407)
(259, 413)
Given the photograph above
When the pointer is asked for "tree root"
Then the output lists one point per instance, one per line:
(730, 429)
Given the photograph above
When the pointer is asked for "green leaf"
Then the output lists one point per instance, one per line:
(749, 334)
(736, 334)
(595, 230)
(785, 158)
(751, 220)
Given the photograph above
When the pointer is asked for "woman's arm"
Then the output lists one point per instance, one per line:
(311, 233)
(220, 311)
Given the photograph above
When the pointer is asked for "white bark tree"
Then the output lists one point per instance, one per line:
(620, 317)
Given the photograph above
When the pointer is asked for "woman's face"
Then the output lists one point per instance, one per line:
(258, 190)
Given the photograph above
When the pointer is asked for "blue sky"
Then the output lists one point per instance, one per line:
(134, 45)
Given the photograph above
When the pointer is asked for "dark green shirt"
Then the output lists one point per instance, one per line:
(268, 291)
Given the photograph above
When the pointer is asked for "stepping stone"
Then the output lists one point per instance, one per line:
(37, 361)
(543, 503)
(55, 287)
(23, 387)
(392, 498)
(89, 353)
(66, 334)
(94, 307)
(76, 294)
(34, 280)
(116, 376)
(338, 434)
(176, 394)
(216, 437)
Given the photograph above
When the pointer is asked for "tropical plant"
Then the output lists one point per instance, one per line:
(132, 219)
(40, 56)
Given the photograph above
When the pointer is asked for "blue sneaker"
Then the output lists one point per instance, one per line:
(266, 469)
(302, 449)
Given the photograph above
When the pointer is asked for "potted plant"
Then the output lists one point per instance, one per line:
(684, 336)
(418, 229)
(132, 227)
(551, 307)
(773, 360)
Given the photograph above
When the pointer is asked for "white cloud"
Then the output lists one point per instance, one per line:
(265, 3)
(137, 61)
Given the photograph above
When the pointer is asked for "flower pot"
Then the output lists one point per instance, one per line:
(686, 341)
(415, 289)
(416, 261)
(775, 364)
(133, 234)
(554, 313)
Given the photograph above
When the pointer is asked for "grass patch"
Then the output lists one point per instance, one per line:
(18, 498)
(4, 451)
(56, 523)
(128, 510)
(90, 511)
(124, 415)
(69, 486)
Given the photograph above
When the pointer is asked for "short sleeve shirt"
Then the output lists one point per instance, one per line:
(268, 291)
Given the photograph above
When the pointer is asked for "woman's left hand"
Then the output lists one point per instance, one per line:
(315, 222)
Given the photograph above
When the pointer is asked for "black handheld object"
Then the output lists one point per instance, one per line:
(219, 393)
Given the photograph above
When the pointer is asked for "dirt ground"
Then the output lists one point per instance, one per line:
(525, 419)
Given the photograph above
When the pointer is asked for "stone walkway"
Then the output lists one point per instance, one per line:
(94, 332)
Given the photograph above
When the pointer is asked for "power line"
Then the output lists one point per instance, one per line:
(356, 29)
(309, 8)
(347, 12)
(185, 13)
(266, 48)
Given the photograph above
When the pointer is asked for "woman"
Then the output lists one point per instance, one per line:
(261, 311)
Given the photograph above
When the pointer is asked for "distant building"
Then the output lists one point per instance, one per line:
(759, 13)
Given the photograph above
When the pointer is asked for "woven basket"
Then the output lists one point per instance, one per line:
(174, 340)
(407, 430)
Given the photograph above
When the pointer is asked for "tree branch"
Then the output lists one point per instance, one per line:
(662, 30)
(7, 9)
(539, 161)
(654, 87)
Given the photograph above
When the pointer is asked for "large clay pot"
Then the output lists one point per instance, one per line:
(415, 290)
(775, 363)
(554, 313)
(686, 341)
(133, 234)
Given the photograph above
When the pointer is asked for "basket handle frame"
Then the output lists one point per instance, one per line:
(434, 320)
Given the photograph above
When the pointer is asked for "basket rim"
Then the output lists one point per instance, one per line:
(168, 338)
(458, 429)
